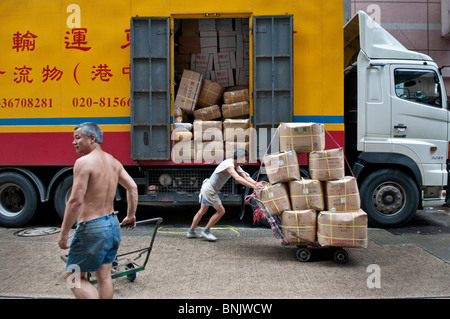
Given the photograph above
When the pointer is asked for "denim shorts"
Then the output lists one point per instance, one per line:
(204, 201)
(95, 242)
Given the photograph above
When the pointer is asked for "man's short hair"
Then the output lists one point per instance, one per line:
(91, 129)
(240, 153)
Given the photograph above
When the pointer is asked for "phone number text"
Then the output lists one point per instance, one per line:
(15, 103)
(102, 102)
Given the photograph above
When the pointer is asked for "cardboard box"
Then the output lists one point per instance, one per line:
(223, 77)
(306, 194)
(189, 44)
(208, 113)
(241, 25)
(209, 152)
(231, 97)
(302, 137)
(202, 62)
(299, 226)
(208, 131)
(282, 167)
(236, 134)
(227, 40)
(189, 27)
(235, 110)
(224, 60)
(326, 165)
(208, 41)
(242, 76)
(242, 51)
(207, 24)
(224, 24)
(210, 94)
(342, 229)
(188, 91)
(236, 123)
(183, 152)
(181, 135)
(275, 198)
(342, 194)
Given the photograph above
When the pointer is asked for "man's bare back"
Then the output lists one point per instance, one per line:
(102, 172)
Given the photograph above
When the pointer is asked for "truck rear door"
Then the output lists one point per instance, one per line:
(150, 88)
(272, 77)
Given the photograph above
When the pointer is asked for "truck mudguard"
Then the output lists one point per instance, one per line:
(386, 158)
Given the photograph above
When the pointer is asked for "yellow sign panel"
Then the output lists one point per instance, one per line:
(67, 61)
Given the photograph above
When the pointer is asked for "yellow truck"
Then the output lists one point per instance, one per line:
(120, 64)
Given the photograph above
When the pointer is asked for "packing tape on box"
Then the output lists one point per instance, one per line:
(306, 195)
(353, 227)
(328, 169)
(242, 108)
(291, 136)
(283, 166)
(297, 229)
(196, 89)
(345, 194)
(208, 91)
(272, 199)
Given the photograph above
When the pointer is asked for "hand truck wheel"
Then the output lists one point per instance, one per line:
(340, 256)
(303, 254)
(131, 277)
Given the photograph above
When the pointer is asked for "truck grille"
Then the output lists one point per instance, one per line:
(186, 180)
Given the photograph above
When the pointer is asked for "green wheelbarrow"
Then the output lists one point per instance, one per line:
(126, 264)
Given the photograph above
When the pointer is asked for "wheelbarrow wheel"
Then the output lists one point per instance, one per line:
(340, 256)
(131, 277)
(303, 254)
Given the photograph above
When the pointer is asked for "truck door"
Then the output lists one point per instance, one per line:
(419, 119)
(150, 88)
(272, 77)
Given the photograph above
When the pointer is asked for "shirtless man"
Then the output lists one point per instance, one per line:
(91, 204)
(209, 193)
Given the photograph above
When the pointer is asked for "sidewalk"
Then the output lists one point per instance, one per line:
(243, 263)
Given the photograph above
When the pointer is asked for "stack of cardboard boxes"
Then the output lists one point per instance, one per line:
(212, 96)
(217, 131)
(326, 207)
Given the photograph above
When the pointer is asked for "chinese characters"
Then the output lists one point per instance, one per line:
(27, 42)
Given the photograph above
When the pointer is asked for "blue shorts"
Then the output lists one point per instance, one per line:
(204, 201)
(95, 242)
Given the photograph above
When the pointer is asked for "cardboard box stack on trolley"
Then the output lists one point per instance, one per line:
(324, 208)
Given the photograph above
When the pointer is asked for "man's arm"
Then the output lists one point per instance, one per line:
(251, 180)
(242, 178)
(75, 203)
(132, 197)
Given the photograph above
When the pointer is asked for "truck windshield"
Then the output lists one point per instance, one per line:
(418, 85)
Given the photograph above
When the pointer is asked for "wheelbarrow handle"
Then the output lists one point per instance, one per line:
(157, 220)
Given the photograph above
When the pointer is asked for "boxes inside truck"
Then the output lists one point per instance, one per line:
(211, 72)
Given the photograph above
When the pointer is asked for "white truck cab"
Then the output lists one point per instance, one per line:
(396, 121)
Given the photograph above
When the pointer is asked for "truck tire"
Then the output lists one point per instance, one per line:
(62, 195)
(18, 200)
(389, 197)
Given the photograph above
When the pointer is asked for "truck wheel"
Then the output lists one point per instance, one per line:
(18, 200)
(389, 197)
(62, 195)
